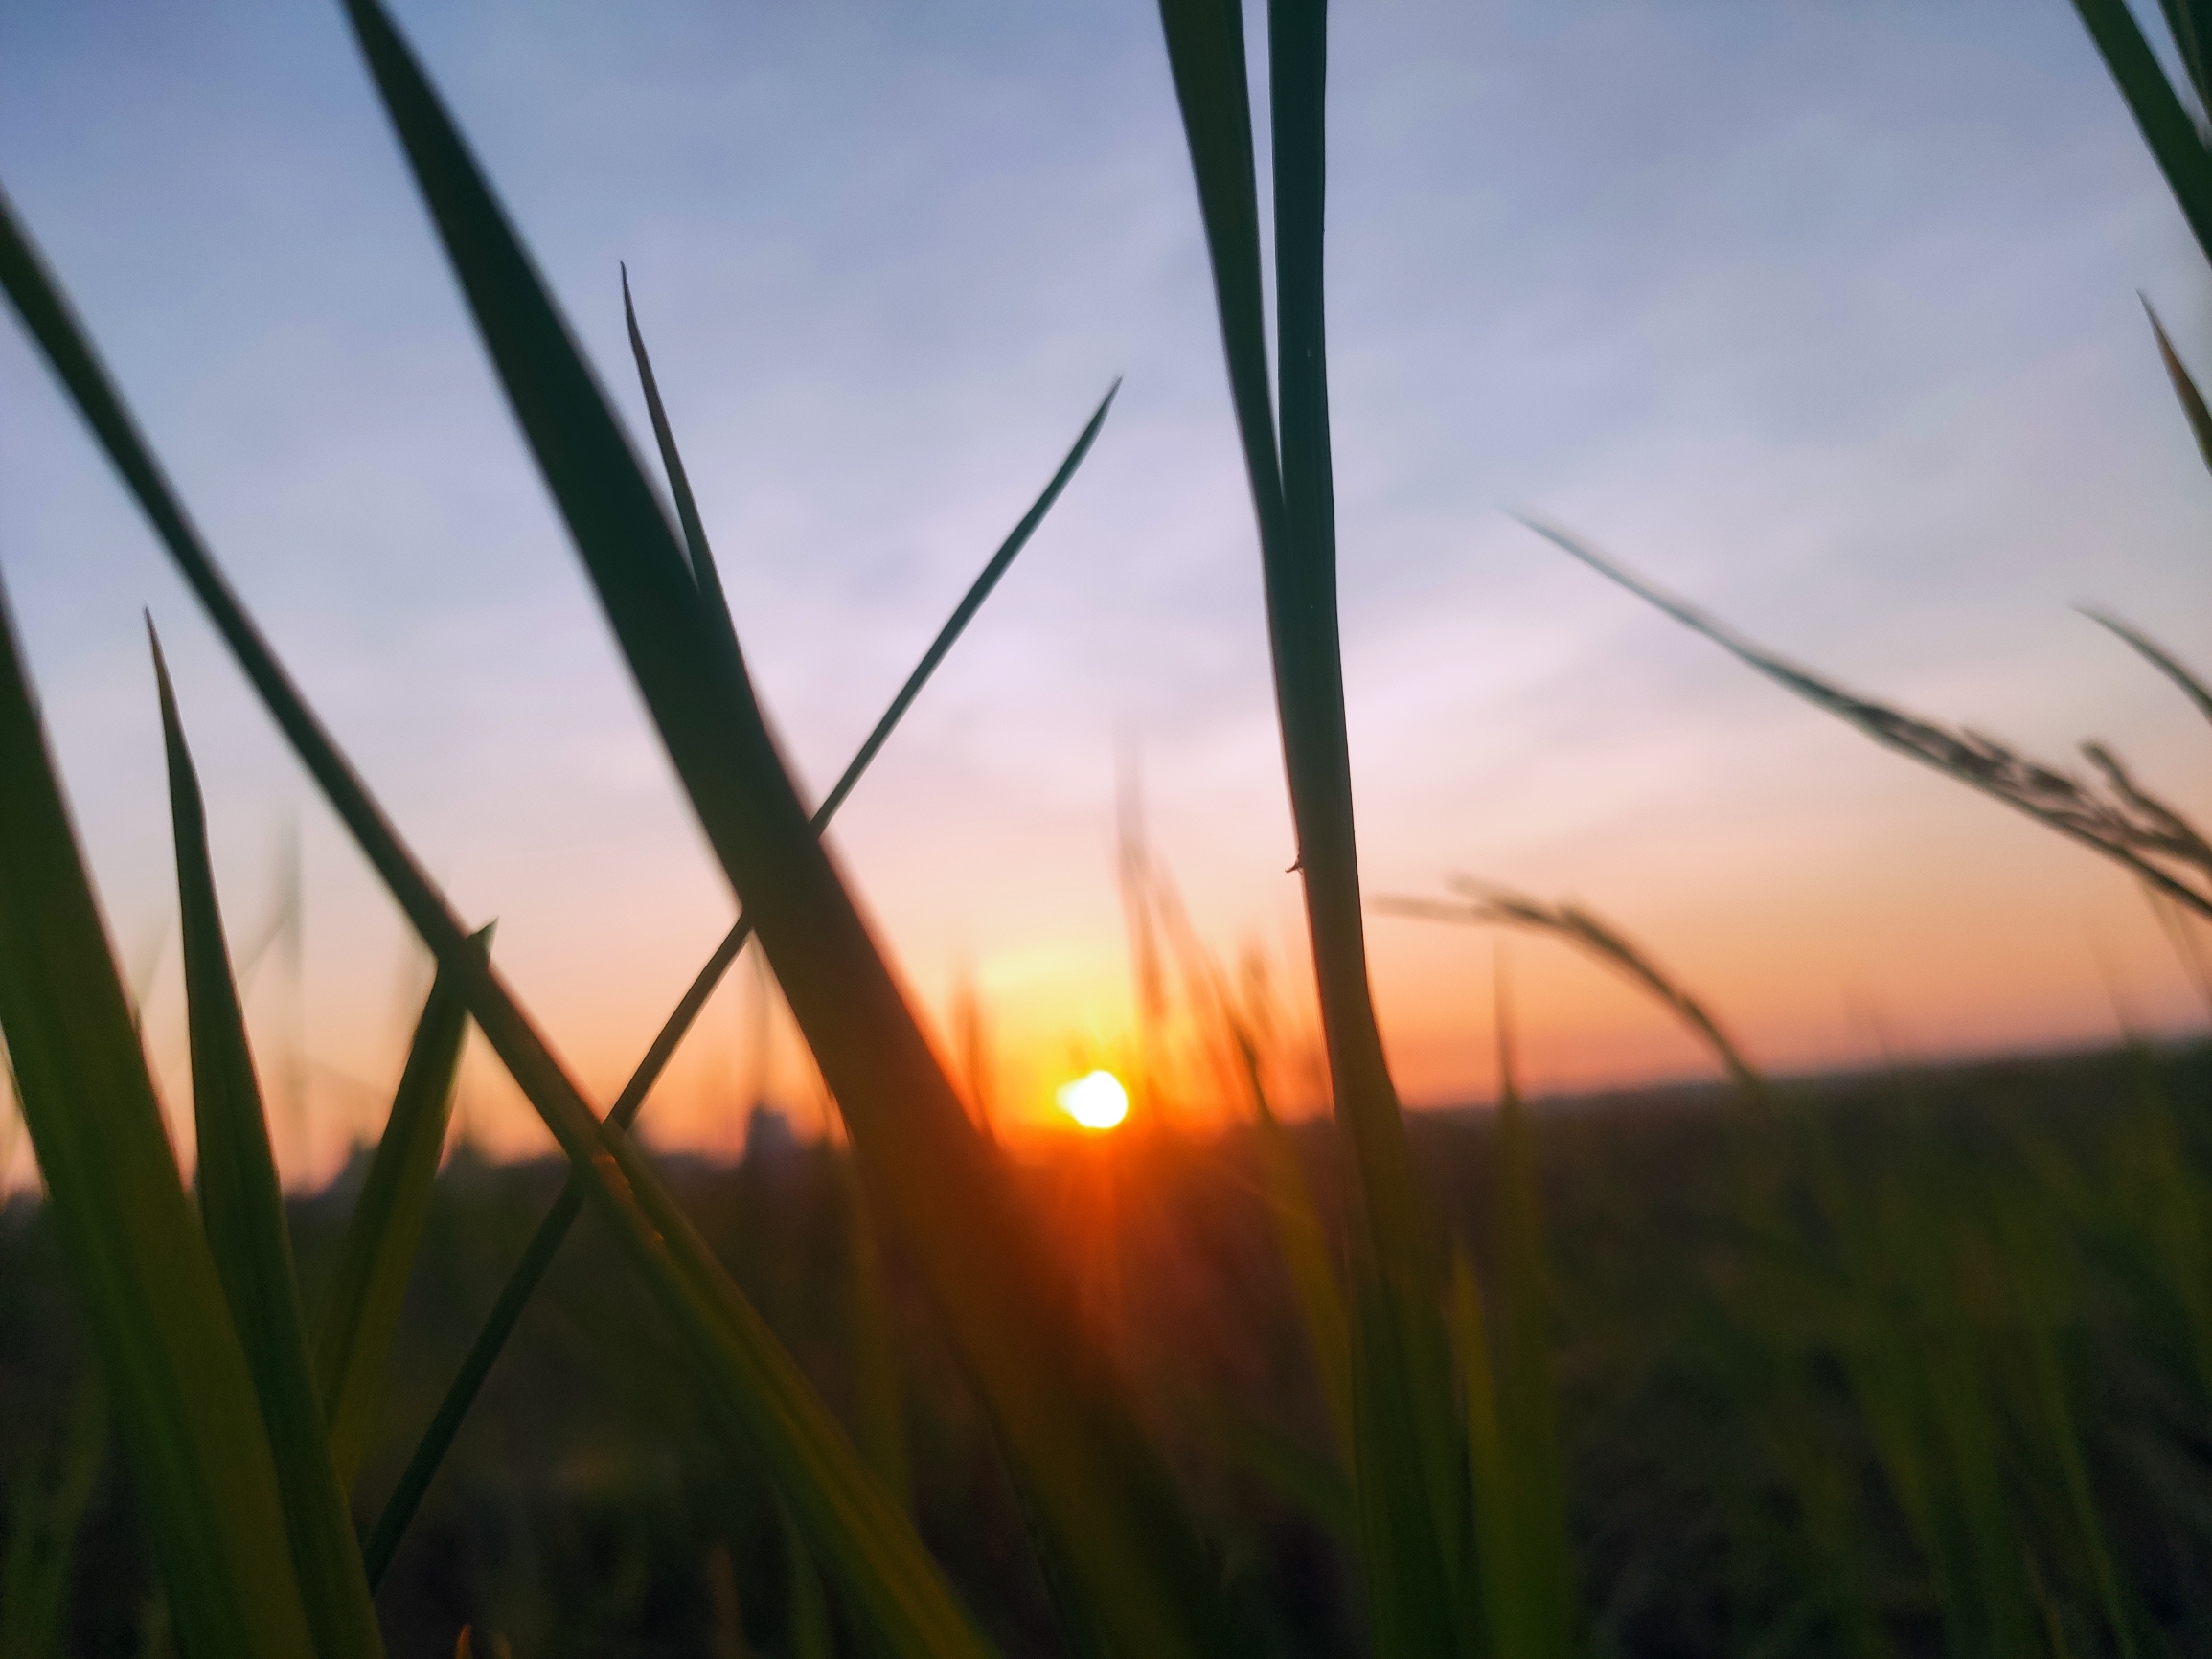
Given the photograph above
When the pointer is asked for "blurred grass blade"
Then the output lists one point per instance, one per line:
(1542, 1599)
(2114, 823)
(522, 1284)
(751, 1382)
(362, 1311)
(2184, 387)
(43, 1519)
(145, 1282)
(2191, 686)
(879, 1412)
(1103, 1494)
(1410, 1471)
(2191, 24)
(242, 1206)
(1496, 1524)
(1489, 903)
(1304, 1247)
(2166, 127)
(810, 1607)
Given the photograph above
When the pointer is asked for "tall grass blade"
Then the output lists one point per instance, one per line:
(43, 1518)
(1409, 1474)
(1540, 1612)
(1130, 1557)
(878, 1409)
(1496, 1526)
(361, 1308)
(2191, 686)
(2123, 823)
(2174, 138)
(751, 1382)
(242, 1206)
(1489, 904)
(145, 1282)
(2184, 387)
(545, 1243)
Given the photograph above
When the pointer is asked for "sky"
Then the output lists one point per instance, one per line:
(1823, 315)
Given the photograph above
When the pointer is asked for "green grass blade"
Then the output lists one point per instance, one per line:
(1496, 1535)
(2184, 387)
(751, 1382)
(2191, 686)
(538, 1258)
(145, 1282)
(2166, 127)
(808, 1607)
(1408, 1472)
(1105, 1499)
(243, 1207)
(702, 559)
(880, 1410)
(361, 1309)
(1304, 1246)
(42, 1527)
(1544, 1594)
(2051, 798)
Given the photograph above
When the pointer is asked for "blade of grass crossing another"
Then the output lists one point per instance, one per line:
(243, 1207)
(145, 1282)
(362, 1311)
(1103, 1496)
(750, 1381)
(538, 1258)
(1408, 1471)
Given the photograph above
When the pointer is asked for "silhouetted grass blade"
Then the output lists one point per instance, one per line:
(2184, 387)
(702, 559)
(2191, 686)
(242, 1206)
(749, 1376)
(522, 1284)
(145, 1282)
(2166, 127)
(2125, 825)
(1134, 1559)
(361, 1308)
(1408, 1473)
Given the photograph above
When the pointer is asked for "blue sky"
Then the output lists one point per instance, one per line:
(1822, 314)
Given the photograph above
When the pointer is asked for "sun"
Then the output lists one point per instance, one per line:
(1096, 1100)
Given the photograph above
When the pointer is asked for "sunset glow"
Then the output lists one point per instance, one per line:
(1096, 1100)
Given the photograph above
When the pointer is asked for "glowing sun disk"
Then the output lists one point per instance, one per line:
(1096, 1102)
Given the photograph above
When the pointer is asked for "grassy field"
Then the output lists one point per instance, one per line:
(1903, 1365)
(1773, 1446)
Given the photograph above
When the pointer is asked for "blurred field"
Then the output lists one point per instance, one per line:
(1823, 1376)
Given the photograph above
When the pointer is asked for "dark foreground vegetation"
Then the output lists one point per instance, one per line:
(1901, 1354)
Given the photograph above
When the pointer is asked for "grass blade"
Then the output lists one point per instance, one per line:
(1408, 1473)
(2166, 127)
(42, 1527)
(751, 1382)
(145, 1282)
(1490, 903)
(878, 1409)
(538, 1258)
(354, 1335)
(2114, 825)
(2184, 387)
(1539, 1612)
(1111, 1514)
(2191, 686)
(242, 1206)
